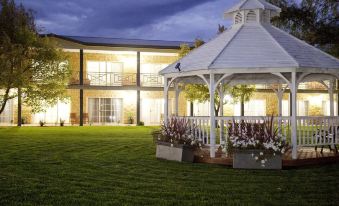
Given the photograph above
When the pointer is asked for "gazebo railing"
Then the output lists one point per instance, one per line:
(317, 131)
(311, 131)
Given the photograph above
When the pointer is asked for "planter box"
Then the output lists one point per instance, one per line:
(245, 159)
(179, 153)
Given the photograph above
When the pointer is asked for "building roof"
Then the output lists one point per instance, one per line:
(254, 45)
(120, 42)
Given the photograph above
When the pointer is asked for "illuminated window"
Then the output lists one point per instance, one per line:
(104, 73)
(54, 114)
(7, 115)
(105, 110)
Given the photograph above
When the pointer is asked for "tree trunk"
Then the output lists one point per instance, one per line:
(191, 109)
(242, 107)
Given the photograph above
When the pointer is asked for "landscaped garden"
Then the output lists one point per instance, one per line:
(117, 166)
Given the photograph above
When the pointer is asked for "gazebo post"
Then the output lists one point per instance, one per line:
(212, 117)
(330, 92)
(221, 112)
(294, 88)
(177, 92)
(166, 100)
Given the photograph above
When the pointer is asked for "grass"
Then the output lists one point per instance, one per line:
(117, 166)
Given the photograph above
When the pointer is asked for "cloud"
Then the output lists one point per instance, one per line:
(150, 19)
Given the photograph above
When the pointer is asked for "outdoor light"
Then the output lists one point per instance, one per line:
(178, 66)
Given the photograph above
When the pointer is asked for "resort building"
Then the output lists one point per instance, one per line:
(117, 81)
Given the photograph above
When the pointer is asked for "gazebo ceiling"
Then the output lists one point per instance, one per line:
(251, 45)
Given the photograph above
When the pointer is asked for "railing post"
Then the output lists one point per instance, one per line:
(212, 117)
(294, 88)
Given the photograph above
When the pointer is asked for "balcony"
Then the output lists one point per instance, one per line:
(119, 79)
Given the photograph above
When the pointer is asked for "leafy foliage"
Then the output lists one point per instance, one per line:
(29, 62)
(314, 21)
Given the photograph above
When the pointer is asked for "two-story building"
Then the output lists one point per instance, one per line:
(116, 81)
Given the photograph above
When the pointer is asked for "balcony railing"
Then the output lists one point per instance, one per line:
(111, 79)
(119, 79)
(151, 80)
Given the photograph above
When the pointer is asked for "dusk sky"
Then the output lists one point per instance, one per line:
(145, 19)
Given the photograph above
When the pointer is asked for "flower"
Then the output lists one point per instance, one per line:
(263, 161)
(261, 153)
(256, 158)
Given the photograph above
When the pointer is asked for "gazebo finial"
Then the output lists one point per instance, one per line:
(252, 11)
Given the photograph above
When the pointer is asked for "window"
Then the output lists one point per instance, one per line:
(53, 114)
(104, 73)
(105, 110)
(6, 116)
(238, 18)
(251, 16)
(150, 75)
(255, 108)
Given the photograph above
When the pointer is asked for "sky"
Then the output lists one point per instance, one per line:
(142, 19)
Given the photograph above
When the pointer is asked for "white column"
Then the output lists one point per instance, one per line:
(294, 88)
(221, 112)
(177, 92)
(166, 100)
(212, 117)
(330, 92)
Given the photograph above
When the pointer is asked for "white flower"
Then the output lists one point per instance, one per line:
(171, 145)
(256, 158)
(261, 153)
(262, 161)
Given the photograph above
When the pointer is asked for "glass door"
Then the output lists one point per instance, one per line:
(105, 110)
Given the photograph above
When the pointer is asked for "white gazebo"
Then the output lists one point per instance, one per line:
(253, 51)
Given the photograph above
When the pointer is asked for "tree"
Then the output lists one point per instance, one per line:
(242, 93)
(314, 21)
(200, 93)
(30, 65)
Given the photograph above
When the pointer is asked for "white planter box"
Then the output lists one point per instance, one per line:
(245, 159)
(179, 153)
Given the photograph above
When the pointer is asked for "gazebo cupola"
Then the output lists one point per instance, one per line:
(252, 11)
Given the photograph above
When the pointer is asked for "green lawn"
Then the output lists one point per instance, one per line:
(117, 166)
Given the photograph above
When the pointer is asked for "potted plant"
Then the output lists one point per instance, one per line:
(62, 122)
(42, 123)
(175, 142)
(256, 145)
(130, 118)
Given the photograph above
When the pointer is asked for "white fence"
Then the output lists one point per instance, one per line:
(311, 131)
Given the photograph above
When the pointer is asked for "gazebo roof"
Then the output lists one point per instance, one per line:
(254, 45)
(253, 4)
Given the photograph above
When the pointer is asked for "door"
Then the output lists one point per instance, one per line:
(152, 111)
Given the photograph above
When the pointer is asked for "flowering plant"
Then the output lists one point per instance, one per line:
(177, 132)
(260, 136)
